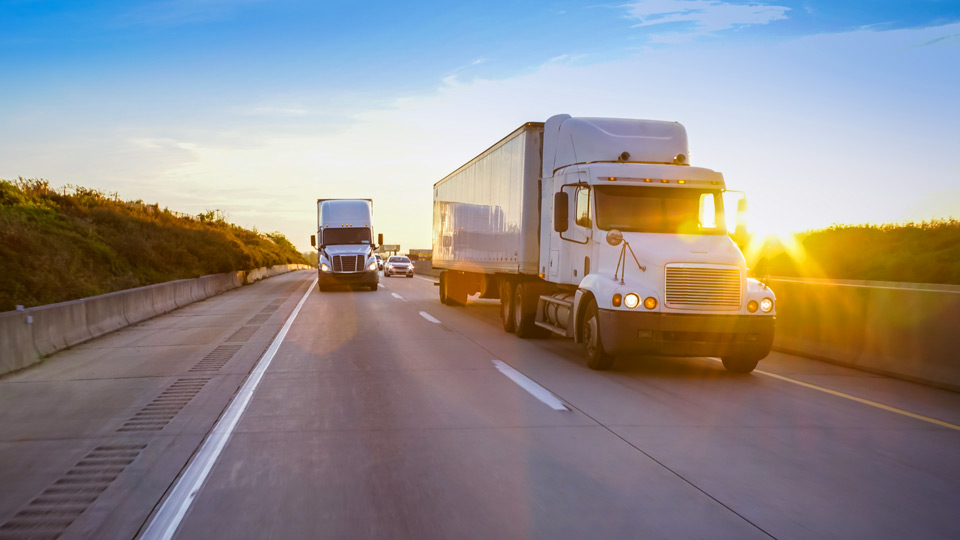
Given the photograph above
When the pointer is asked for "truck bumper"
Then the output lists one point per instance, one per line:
(668, 334)
(365, 278)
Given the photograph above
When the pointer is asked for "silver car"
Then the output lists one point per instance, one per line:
(398, 265)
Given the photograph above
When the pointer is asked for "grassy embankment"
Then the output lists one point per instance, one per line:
(927, 252)
(61, 246)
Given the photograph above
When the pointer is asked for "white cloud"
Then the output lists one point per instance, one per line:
(701, 17)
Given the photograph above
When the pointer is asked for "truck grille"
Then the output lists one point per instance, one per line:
(347, 263)
(697, 287)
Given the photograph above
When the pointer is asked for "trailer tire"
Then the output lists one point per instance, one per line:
(740, 363)
(506, 307)
(597, 357)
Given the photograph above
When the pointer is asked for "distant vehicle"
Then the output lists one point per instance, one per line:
(379, 262)
(598, 229)
(398, 264)
(345, 241)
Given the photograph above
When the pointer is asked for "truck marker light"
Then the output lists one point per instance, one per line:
(664, 181)
(650, 303)
(681, 181)
(766, 305)
(612, 178)
(616, 300)
(648, 179)
(631, 300)
(752, 306)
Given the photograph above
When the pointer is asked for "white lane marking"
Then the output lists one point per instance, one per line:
(887, 408)
(426, 279)
(397, 296)
(429, 317)
(527, 384)
(168, 518)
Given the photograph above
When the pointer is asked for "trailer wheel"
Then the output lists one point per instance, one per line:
(597, 358)
(506, 307)
(443, 289)
(740, 363)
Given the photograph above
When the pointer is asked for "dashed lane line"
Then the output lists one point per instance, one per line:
(429, 317)
(530, 386)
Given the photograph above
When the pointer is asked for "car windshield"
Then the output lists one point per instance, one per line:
(349, 235)
(399, 260)
(659, 209)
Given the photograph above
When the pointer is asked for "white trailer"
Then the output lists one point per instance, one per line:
(598, 229)
(345, 242)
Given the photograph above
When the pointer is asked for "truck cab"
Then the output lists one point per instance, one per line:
(638, 246)
(344, 240)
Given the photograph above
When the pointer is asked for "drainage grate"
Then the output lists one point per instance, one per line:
(51, 512)
(243, 334)
(157, 414)
(216, 358)
(259, 319)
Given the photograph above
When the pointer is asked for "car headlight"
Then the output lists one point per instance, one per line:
(766, 305)
(324, 267)
(372, 266)
(631, 300)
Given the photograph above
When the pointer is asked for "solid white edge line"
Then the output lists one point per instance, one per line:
(397, 296)
(429, 317)
(533, 388)
(168, 518)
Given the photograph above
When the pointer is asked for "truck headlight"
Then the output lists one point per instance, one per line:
(372, 265)
(631, 300)
(324, 267)
(766, 305)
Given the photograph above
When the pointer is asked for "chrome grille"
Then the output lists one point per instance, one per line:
(698, 287)
(347, 263)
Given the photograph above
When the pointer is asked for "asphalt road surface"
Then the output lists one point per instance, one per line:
(356, 414)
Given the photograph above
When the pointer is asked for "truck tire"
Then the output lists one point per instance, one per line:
(443, 289)
(506, 307)
(525, 300)
(597, 358)
(739, 363)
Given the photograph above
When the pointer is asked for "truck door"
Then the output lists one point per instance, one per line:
(570, 255)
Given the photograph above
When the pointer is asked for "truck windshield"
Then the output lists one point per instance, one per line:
(353, 235)
(659, 210)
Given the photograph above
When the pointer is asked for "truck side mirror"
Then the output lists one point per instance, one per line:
(379, 239)
(561, 212)
(740, 235)
(313, 240)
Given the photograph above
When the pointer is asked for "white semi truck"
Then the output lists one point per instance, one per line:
(598, 229)
(345, 241)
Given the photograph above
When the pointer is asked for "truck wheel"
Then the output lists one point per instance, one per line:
(597, 358)
(525, 300)
(443, 289)
(506, 307)
(456, 290)
(740, 363)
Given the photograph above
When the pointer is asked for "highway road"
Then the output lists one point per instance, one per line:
(277, 411)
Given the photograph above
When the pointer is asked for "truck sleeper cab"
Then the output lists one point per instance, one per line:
(602, 232)
(345, 242)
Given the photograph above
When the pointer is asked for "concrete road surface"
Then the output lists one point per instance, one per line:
(388, 415)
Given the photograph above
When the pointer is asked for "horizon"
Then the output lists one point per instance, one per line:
(822, 114)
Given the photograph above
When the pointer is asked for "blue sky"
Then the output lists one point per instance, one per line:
(823, 112)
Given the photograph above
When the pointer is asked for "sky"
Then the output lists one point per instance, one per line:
(822, 112)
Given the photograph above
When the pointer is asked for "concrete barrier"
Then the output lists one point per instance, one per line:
(903, 330)
(58, 326)
(105, 313)
(425, 268)
(16, 342)
(138, 304)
